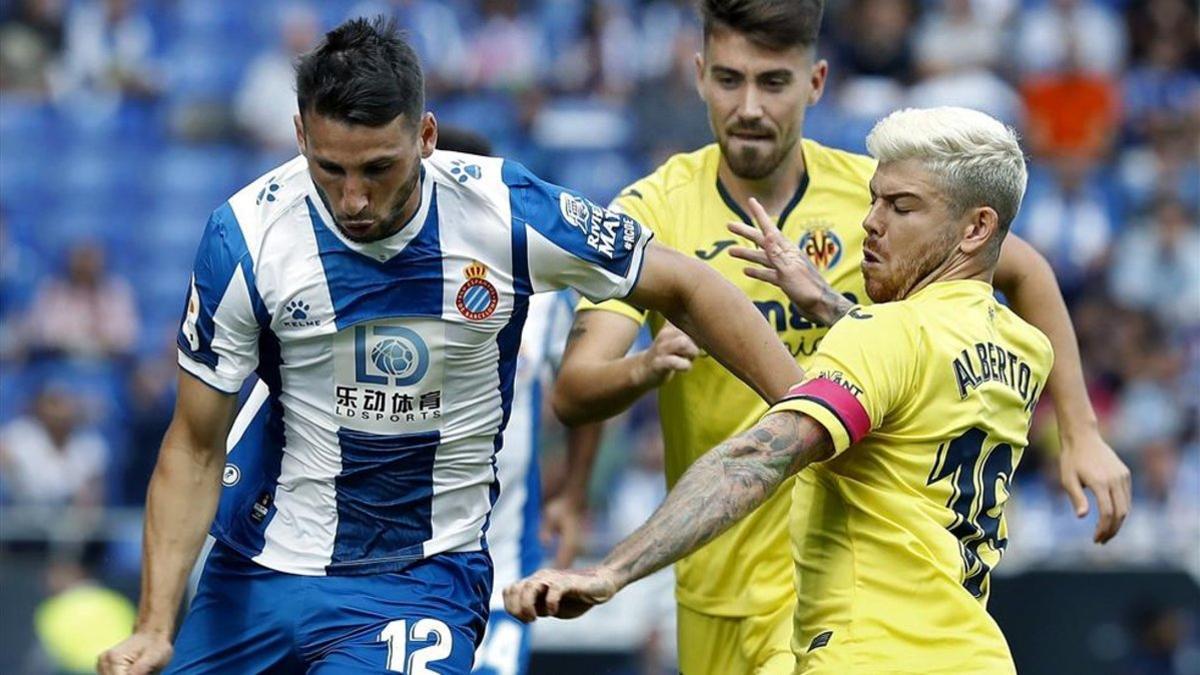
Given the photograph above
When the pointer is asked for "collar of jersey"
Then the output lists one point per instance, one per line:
(783, 215)
(947, 286)
(388, 247)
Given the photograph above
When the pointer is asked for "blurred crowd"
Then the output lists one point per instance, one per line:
(124, 122)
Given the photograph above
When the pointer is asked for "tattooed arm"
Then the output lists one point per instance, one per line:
(720, 488)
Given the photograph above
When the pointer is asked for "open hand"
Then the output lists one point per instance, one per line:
(565, 594)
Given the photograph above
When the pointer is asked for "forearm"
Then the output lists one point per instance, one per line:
(582, 444)
(720, 488)
(1035, 296)
(722, 321)
(180, 505)
(592, 391)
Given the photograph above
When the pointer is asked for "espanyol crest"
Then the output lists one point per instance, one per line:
(477, 297)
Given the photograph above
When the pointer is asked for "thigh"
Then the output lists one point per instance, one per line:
(505, 648)
(428, 618)
(238, 620)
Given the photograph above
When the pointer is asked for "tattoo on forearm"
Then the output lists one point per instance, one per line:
(838, 306)
(720, 488)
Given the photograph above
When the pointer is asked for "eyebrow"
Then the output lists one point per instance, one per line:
(893, 196)
(381, 159)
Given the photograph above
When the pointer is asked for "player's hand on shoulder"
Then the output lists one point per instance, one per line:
(138, 654)
(781, 263)
(672, 351)
(1087, 462)
(565, 594)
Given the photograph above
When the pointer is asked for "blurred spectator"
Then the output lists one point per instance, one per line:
(1156, 265)
(604, 59)
(955, 37)
(266, 100)
(1048, 35)
(505, 51)
(640, 488)
(1072, 111)
(687, 127)
(1166, 166)
(1067, 217)
(152, 400)
(31, 41)
(87, 314)
(1147, 409)
(873, 56)
(49, 459)
(1161, 95)
(663, 23)
(108, 57)
(1164, 641)
(436, 35)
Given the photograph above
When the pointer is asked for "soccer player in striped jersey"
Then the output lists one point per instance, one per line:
(378, 287)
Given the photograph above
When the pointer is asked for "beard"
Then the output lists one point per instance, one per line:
(390, 224)
(752, 162)
(906, 273)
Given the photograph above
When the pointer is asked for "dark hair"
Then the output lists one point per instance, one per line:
(363, 72)
(774, 24)
(457, 139)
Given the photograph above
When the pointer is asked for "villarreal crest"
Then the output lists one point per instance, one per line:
(477, 297)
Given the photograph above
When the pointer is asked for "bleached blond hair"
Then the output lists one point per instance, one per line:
(976, 158)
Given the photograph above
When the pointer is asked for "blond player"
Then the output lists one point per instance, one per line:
(757, 75)
(907, 428)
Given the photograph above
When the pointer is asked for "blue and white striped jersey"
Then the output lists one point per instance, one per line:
(389, 365)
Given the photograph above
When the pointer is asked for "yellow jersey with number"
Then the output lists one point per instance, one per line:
(928, 402)
(747, 570)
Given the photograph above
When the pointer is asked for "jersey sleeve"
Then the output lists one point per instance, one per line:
(860, 374)
(218, 337)
(572, 242)
(636, 201)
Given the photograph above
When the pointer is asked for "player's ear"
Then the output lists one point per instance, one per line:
(983, 225)
(820, 70)
(698, 59)
(299, 123)
(428, 133)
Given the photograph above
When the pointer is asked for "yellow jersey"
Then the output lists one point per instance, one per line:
(928, 402)
(747, 570)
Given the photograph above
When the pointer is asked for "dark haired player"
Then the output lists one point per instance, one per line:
(379, 288)
(757, 74)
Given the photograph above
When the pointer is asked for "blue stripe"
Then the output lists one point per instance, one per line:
(221, 252)
(384, 501)
(363, 289)
(530, 546)
(258, 455)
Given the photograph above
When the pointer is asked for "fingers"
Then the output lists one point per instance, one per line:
(554, 594)
(750, 255)
(520, 599)
(674, 363)
(1106, 522)
(747, 232)
(768, 275)
(1074, 488)
(764, 221)
(1120, 499)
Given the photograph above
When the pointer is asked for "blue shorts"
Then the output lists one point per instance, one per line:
(246, 618)
(505, 648)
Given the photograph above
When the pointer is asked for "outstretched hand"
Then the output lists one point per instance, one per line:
(781, 263)
(565, 594)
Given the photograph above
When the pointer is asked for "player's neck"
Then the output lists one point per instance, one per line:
(955, 268)
(774, 191)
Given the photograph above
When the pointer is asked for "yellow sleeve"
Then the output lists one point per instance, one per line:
(859, 374)
(640, 202)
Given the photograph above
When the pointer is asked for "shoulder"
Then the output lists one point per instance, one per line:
(885, 328)
(1028, 337)
(243, 221)
(836, 168)
(680, 171)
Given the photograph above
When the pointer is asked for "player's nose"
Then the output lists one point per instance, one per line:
(751, 104)
(354, 198)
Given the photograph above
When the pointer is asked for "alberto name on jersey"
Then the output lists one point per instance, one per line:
(390, 364)
(746, 571)
(928, 403)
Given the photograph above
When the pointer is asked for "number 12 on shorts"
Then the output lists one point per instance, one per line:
(397, 635)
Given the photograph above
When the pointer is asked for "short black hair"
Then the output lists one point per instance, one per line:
(774, 24)
(458, 139)
(363, 72)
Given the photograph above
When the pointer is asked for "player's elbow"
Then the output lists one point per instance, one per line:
(567, 399)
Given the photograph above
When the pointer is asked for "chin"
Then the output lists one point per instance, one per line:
(877, 292)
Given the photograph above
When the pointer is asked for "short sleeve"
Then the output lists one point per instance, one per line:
(218, 336)
(572, 242)
(859, 374)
